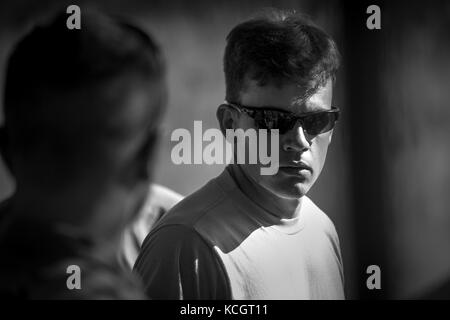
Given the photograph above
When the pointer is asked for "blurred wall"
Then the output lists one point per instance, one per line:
(398, 96)
(416, 79)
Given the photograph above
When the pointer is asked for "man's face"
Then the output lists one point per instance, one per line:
(132, 157)
(116, 181)
(297, 149)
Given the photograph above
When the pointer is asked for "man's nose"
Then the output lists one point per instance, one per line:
(296, 140)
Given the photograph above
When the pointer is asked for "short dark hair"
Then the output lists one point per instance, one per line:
(278, 47)
(58, 82)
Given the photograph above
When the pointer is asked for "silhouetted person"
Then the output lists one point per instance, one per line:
(82, 109)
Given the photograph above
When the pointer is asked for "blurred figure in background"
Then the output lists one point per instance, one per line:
(250, 236)
(159, 201)
(82, 109)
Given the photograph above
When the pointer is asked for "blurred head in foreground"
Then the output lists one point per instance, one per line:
(82, 109)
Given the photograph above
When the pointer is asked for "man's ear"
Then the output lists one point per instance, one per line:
(139, 167)
(5, 149)
(148, 155)
(227, 118)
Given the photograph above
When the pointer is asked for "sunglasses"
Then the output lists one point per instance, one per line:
(313, 123)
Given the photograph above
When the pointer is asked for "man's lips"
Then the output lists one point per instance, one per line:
(296, 166)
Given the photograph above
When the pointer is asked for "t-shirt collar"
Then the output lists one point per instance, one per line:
(255, 199)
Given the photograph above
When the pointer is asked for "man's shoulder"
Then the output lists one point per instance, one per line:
(195, 208)
(48, 280)
(206, 216)
(168, 245)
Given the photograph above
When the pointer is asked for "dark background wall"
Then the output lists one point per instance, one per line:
(386, 180)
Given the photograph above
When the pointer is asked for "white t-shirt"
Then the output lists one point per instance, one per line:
(220, 244)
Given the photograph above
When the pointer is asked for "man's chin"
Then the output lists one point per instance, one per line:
(289, 191)
(296, 192)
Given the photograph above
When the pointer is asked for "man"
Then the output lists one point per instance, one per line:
(250, 236)
(82, 109)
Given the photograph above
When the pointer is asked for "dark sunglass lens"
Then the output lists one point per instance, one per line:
(319, 123)
(284, 122)
(260, 119)
(272, 119)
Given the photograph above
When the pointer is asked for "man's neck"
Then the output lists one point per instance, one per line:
(282, 207)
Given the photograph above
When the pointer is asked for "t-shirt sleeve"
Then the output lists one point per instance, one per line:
(176, 263)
